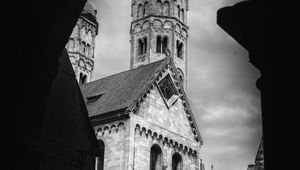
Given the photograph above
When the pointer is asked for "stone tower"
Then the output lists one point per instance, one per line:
(159, 26)
(81, 44)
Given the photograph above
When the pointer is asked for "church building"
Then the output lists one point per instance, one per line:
(141, 117)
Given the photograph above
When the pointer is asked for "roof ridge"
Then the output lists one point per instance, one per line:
(122, 72)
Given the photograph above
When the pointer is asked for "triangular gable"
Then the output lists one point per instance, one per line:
(168, 69)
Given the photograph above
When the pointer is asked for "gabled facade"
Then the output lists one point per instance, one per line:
(147, 123)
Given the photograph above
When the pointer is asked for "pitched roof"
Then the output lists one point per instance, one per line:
(114, 94)
(118, 91)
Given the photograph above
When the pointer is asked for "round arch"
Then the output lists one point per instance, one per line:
(156, 157)
(177, 161)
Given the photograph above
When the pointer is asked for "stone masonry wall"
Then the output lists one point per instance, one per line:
(154, 110)
(168, 128)
(115, 136)
(147, 134)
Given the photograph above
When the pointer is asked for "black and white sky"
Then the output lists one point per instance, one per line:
(221, 82)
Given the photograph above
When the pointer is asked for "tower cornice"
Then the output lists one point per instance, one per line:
(159, 16)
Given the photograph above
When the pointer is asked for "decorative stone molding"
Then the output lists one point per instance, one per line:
(142, 131)
(108, 129)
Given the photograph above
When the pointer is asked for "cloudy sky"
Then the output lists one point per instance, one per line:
(221, 81)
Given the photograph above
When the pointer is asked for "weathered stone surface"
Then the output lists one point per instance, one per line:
(159, 19)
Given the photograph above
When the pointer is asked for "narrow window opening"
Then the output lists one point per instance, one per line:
(158, 44)
(176, 162)
(140, 47)
(159, 6)
(164, 44)
(146, 8)
(182, 15)
(178, 11)
(155, 158)
(166, 8)
(82, 78)
(180, 75)
(179, 47)
(140, 11)
(145, 46)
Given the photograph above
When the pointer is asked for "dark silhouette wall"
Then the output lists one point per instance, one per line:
(256, 25)
(36, 138)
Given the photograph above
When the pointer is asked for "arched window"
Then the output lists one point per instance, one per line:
(161, 44)
(82, 47)
(145, 45)
(179, 47)
(164, 44)
(166, 8)
(99, 164)
(140, 11)
(159, 7)
(158, 44)
(155, 158)
(89, 37)
(178, 11)
(83, 33)
(82, 78)
(146, 9)
(140, 47)
(176, 162)
(182, 15)
(89, 50)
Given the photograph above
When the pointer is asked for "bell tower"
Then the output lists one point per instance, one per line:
(158, 28)
(81, 44)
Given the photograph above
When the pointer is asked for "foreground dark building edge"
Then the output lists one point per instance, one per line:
(51, 129)
(255, 25)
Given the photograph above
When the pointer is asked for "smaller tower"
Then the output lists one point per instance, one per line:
(81, 44)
